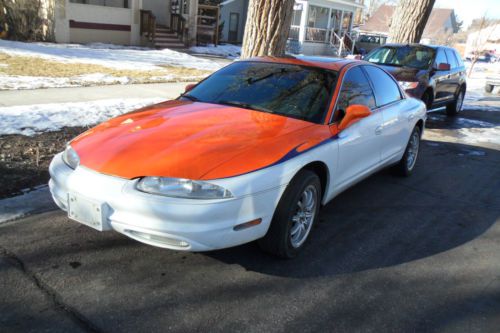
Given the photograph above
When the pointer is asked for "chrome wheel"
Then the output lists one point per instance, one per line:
(412, 153)
(460, 101)
(304, 216)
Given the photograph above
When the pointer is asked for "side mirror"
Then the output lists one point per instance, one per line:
(354, 113)
(443, 67)
(189, 87)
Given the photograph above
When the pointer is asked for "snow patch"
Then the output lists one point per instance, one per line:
(112, 56)
(36, 201)
(14, 82)
(32, 119)
(227, 50)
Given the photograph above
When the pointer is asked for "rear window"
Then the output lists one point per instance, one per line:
(386, 89)
(452, 60)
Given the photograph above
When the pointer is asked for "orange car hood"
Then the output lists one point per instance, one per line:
(193, 140)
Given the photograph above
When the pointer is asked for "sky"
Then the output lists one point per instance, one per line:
(467, 10)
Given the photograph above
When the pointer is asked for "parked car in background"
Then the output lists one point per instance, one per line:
(365, 43)
(249, 153)
(434, 74)
(492, 82)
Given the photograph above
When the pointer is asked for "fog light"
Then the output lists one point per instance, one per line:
(247, 225)
(157, 239)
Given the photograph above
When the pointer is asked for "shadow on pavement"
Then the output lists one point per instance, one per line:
(386, 221)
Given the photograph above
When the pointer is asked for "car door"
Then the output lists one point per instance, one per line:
(359, 144)
(454, 76)
(440, 77)
(388, 98)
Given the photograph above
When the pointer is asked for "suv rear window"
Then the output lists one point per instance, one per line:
(451, 59)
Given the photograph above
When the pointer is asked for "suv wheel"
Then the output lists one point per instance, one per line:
(456, 106)
(427, 99)
(293, 219)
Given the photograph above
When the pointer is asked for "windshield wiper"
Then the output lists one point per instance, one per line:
(191, 98)
(244, 105)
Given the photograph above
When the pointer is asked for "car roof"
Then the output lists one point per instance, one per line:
(418, 44)
(321, 62)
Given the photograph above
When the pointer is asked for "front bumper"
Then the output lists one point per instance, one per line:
(179, 224)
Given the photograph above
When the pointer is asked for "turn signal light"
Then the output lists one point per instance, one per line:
(247, 225)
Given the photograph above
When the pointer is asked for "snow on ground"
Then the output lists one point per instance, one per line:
(227, 50)
(14, 82)
(475, 86)
(36, 201)
(32, 119)
(112, 56)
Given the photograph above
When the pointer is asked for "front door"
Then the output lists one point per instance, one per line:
(359, 144)
(234, 20)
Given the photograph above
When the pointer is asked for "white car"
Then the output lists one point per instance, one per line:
(250, 153)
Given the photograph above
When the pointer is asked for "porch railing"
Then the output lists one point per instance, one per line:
(178, 25)
(343, 43)
(316, 35)
(148, 25)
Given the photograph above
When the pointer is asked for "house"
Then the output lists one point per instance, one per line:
(440, 26)
(159, 23)
(486, 39)
(319, 27)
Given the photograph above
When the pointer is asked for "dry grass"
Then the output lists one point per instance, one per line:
(32, 66)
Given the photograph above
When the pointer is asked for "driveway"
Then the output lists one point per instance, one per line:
(389, 255)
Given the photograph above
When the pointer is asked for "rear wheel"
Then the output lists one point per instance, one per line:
(454, 107)
(407, 163)
(488, 88)
(294, 216)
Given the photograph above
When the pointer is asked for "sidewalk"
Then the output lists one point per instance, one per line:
(84, 94)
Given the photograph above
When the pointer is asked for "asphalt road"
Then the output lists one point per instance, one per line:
(419, 254)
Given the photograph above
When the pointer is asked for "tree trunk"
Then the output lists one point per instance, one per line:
(409, 20)
(267, 27)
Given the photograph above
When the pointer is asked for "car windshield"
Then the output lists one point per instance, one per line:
(289, 90)
(419, 57)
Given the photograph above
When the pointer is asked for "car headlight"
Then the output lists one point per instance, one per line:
(70, 157)
(408, 84)
(182, 188)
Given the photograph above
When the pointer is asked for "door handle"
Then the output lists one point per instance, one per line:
(378, 130)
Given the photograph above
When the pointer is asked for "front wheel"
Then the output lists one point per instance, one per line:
(407, 163)
(454, 107)
(293, 219)
(488, 88)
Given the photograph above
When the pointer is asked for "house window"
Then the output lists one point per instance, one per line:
(297, 14)
(318, 17)
(347, 21)
(107, 3)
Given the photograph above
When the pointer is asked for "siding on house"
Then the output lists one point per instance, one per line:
(233, 6)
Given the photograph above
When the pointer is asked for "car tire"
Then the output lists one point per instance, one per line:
(456, 106)
(294, 217)
(427, 99)
(407, 163)
(488, 88)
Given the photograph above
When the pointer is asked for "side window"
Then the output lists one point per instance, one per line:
(440, 58)
(386, 90)
(355, 90)
(459, 59)
(451, 58)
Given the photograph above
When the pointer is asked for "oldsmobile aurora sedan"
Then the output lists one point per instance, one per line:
(250, 153)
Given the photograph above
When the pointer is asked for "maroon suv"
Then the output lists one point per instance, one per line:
(434, 74)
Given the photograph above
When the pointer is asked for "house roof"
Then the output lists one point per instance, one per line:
(381, 20)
